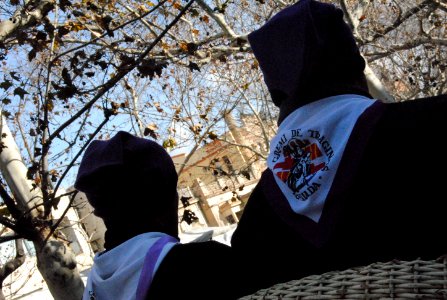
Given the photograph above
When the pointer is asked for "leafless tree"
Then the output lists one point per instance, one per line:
(170, 70)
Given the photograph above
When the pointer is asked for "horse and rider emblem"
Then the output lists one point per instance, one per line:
(299, 169)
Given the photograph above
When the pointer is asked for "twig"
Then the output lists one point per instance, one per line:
(67, 169)
(120, 75)
(401, 19)
(219, 18)
(104, 34)
(8, 223)
(54, 227)
(9, 237)
(9, 201)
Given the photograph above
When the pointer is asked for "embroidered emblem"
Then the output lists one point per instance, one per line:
(301, 161)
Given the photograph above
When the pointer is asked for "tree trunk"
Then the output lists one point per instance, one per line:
(57, 264)
(375, 86)
(14, 172)
(55, 260)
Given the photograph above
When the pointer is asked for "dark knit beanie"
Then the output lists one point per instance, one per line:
(129, 178)
(307, 52)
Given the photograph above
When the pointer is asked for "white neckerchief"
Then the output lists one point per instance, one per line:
(307, 149)
(115, 274)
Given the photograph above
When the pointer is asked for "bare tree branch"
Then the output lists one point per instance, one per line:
(46, 182)
(243, 146)
(442, 4)
(417, 41)
(61, 218)
(375, 86)
(219, 18)
(24, 18)
(280, 2)
(84, 44)
(22, 134)
(8, 223)
(120, 75)
(9, 237)
(9, 201)
(134, 108)
(353, 18)
(13, 264)
(146, 23)
(67, 169)
(255, 112)
(401, 19)
(204, 135)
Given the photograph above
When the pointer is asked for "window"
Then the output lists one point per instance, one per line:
(230, 219)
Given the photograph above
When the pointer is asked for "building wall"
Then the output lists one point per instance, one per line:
(92, 225)
(222, 175)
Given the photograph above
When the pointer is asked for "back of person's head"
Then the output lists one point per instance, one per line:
(131, 182)
(307, 52)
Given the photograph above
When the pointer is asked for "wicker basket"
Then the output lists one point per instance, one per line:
(417, 279)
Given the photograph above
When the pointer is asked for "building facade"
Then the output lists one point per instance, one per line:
(220, 176)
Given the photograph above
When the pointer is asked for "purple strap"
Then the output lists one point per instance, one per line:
(150, 260)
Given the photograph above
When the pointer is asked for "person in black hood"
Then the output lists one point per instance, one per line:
(373, 186)
(131, 183)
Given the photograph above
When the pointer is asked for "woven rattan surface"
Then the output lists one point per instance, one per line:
(418, 279)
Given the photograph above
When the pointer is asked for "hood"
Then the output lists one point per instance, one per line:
(307, 52)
